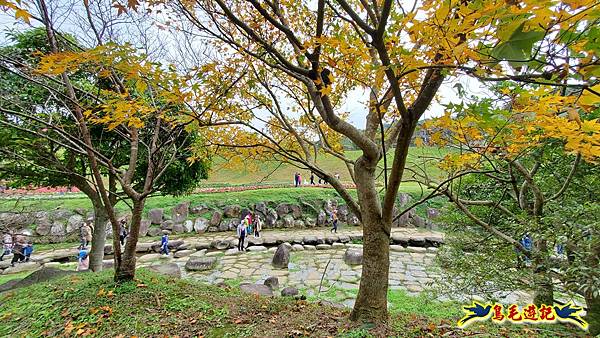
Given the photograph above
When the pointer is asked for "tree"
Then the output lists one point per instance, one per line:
(532, 172)
(310, 56)
(131, 97)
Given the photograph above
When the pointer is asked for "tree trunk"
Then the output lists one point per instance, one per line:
(126, 270)
(593, 314)
(544, 289)
(371, 302)
(98, 239)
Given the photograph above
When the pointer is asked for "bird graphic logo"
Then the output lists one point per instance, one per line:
(569, 313)
(475, 312)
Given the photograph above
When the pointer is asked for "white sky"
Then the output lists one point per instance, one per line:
(354, 105)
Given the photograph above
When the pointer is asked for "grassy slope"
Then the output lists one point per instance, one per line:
(274, 172)
(154, 305)
(217, 199)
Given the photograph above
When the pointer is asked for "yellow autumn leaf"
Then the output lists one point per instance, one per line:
(588, 98)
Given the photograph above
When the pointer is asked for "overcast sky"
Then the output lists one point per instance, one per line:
(355, 103)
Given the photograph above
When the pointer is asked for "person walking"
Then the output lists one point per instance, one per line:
(299, 179)
(257, 226)
(241, 233)
(85, 234)
(27, 251)
(83, 260)
(164, 243)
(18, 248)
(123, 233)
(334, 220)
(7, 244)
(312, 178)
(296, 180)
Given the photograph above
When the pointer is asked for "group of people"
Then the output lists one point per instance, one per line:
(18, 246)
(248, 224)
(86, 231)
(298, 179)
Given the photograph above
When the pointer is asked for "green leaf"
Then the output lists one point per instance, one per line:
(517, 48)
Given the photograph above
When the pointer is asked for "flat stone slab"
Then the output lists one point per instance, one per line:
(297, 247)
(232, 251)
(21, 267)
(200, 263)
(323, 246)
(416, 249)
(183, 253)
(145, 247)
(338, 245)
(167, 269)
(256, 289)
(257, 248)
(153, 257)
(199, 253)
(397, 248)
(310, 247)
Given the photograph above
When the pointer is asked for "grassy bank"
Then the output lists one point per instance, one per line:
(213, 199)
(91, 304)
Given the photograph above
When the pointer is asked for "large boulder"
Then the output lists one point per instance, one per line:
(200, 263)
(418, 221)
(73, 224)
(433, 213)
(298, 223)
(57, 230)
(296, 210)
(342, 213)
(188, 226)
(178, 228)
(310, 222)
(283, 209)
(288, 221)
(167, 269)
(261, 208)
(272, 282)
(144, 226)
(403, 199)
(353, 220)
(173, 245)
(156, 216)
(43, 226)
(353, 256)
(256, 289)
(224, 226)
(271, 218)
(199, 209)
(220, 244)
(232, 211)
(153, 231)
(216, 218)
(167, 225)
(321, 218)
(180, 212)
(200, 225)
(281, 258)
(289, 291)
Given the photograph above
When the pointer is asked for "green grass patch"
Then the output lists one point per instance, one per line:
(154, 305)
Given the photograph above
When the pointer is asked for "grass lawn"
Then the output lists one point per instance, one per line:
(153, 305)
(215, 199)
(275, 172)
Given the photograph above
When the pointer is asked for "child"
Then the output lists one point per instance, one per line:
(164, 243)
(83, 260)
(27, 251)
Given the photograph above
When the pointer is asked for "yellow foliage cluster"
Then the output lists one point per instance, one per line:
(536, 117)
